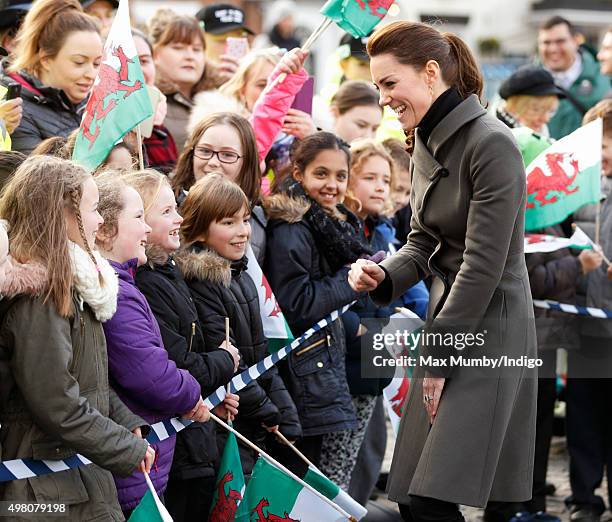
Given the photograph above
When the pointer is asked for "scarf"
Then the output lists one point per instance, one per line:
(341, 241)
(101, 299)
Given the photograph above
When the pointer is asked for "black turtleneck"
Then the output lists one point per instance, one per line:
(443, 105)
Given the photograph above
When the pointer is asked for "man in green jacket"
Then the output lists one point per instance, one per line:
(574, 70)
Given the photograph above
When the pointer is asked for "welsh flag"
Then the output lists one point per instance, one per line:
(227, 502)
(564, 177)
(275, 326)
(274, 495)
(357, 17)
(150, 508)
(119, 100)
(547, 243)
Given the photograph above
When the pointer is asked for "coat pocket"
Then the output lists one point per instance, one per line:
(64, 486)
(312, 357)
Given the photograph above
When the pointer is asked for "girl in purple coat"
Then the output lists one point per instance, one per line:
(140, 371)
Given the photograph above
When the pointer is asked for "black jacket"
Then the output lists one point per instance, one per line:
(554, 276)
(47, 112)
(222, 289)
(307, 291)
(162, 284)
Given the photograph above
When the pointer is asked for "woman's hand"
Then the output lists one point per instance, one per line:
(299, 124)
(161, 110)
(432, 391)
(292, 61)
(227, 67)
(147, 462)
(199, 413)
(233, 351)
(11, 112)
(365, 276)
(228, 409)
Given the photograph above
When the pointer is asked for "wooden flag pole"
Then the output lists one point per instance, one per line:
(285, 440)
(227, 342)
(283, 468)
(139, 140)
(325, 23)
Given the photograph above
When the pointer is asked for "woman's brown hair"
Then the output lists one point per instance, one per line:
(166, 27)
(211, 199)
(414, 44)
(354, 93)
(602, 110)
(44, 31)
(34, 202)
(249, 177)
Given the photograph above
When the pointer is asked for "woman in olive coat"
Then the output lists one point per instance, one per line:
(467, 436)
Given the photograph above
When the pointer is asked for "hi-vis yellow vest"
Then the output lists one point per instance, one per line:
(5, 139)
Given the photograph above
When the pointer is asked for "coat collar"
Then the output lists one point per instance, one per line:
(126, 271)
(468, 110)
(203, 264)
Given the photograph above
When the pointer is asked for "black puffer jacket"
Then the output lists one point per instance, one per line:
(47, 112)
(554, 275)
(307, 290)
(162, 284)
(222, 289)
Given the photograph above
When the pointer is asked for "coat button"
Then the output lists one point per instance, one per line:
(444, 173)
(320, 364)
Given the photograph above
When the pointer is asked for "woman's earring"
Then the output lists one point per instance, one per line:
(431, 93)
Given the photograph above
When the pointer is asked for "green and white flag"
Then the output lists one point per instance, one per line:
(323, 485)
(547, 243)
(273, 495)
(564, 177)
(119, 100)
(228, 504)
(357, 17)
(150, 508)
(275, 326)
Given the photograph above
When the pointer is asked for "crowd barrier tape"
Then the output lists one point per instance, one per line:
(587, 311)
(27, 468)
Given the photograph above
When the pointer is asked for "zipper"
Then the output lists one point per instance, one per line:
(313, 345)
(193, 325)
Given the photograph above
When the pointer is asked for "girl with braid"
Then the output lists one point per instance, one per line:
(55, 398)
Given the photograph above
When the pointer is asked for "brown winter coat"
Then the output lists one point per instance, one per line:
(55, 401)
(468, 199)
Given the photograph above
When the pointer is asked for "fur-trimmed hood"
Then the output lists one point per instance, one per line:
(24, 279)
(285, 207)
(203, 264)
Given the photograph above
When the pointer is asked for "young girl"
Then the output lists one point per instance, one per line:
(311, 240)
(56, 61)
(140, 370)
(54, 387)
(224, 142)
(192, 477)
(215, 234)
(355, 111)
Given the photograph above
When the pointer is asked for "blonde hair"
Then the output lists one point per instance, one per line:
(361, 150)
(520, 104)
(111, 187)
(147, 183)
(211, 199)
(602, 110)
(33, 202)
(44, 32)
(237, 83)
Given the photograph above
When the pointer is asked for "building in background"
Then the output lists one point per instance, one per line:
(501, 33)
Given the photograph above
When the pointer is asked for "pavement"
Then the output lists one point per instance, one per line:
(383, 510)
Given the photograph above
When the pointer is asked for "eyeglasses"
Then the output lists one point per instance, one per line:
(222, 155)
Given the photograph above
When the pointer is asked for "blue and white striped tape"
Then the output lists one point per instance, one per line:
(27, 468)
(588, 311)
